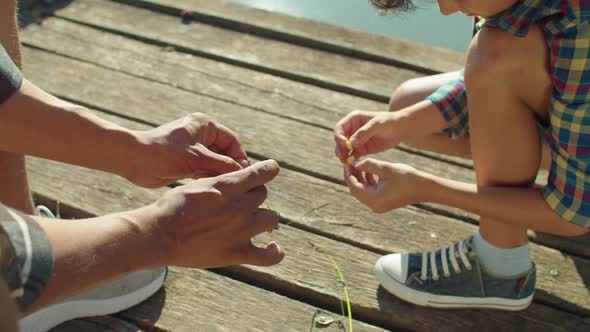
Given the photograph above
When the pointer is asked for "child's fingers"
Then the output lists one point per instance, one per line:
(361, 138)
(340, 139)
(370, 179)
(372, 166)
(353, 183)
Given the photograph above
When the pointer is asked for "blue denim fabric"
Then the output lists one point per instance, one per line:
(475, 282)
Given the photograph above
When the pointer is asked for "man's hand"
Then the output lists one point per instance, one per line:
(384, 186)
(210, 222)
(191, 147)
(369, 133)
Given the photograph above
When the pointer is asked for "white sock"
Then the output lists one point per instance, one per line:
(502, 262)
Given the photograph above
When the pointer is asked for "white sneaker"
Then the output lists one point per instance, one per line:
(105, 300)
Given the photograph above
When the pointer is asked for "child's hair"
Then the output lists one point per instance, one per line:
(387, 6)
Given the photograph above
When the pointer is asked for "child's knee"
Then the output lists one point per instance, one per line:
(496, 53)
(407, 94)
(519, 64)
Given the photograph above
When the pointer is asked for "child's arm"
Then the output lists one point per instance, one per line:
(400, 185)
(374, 132)
(444, 111)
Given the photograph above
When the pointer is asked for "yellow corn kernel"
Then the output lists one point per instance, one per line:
(348, 145)
(351, 160)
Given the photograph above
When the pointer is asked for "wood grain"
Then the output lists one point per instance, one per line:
(278, 145)
(328, 69)
(305, 272)
(98, 194)
(313, 33)
(198, 300)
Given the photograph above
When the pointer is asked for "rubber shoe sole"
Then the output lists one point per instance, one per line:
(47, 318)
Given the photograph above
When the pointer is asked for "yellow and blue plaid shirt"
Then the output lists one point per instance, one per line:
(567, 32)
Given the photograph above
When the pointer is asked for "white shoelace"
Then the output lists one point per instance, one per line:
(461, 251)
(44, 211)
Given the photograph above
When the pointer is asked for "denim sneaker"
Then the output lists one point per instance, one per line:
(110, 298)
(453, 278)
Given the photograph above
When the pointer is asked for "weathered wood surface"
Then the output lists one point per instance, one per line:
(313, 33)
(197, 300)
(96, 324)
(326, 208)
(331, 70)
(279, 144)
(263, 92)
(99, 194)
(304, 272)
(150, 91)
(259, 91)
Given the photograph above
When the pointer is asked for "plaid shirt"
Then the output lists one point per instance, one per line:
(567, 32)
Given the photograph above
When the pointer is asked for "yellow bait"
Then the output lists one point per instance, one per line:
(351, 159)
(349, 146)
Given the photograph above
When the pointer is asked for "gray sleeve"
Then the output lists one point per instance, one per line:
(26, 259)
(10, 76)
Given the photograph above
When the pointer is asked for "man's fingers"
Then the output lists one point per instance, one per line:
(263, 220)
(248, 178)
(204, 161)
(226, 142)
(253, 198)
(270, 255)
(372, 166)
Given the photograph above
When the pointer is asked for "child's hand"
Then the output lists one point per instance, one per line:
(191, 147)
(396, 185)
(369, 133)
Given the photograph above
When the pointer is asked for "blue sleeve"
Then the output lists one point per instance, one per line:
(26, 259)
(10, 76)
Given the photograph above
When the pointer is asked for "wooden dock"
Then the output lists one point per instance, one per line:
(281, 83)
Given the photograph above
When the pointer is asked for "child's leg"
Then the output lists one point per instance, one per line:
(416, 90)
(507, 81)
(14, 186)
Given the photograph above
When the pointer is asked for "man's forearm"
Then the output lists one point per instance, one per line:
(34, 123)
(93, 251)
(522, 206)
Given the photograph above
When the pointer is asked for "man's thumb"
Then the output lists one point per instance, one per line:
(209, 162)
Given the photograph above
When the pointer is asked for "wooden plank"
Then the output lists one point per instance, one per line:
(294, 194)
(341, 73)
(219, 83)
(96, 324)
(198, 300)
(261, 91)
(304, 272)
(312, 33)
